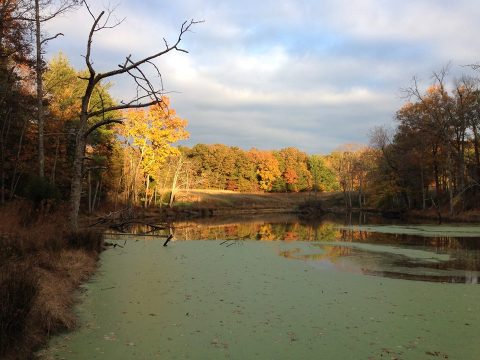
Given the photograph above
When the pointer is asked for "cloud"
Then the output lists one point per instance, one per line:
(283, 73)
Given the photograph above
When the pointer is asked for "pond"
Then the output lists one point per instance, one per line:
(281, 288)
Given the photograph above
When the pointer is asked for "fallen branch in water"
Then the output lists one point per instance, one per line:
(121, 226)
(130, 234)
(168, 239)
(122, 214)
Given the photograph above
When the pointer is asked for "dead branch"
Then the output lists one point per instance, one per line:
(184, 28)
(168, 239)
(473, 66)
(123, 107)
(129, 67)
(102, 123)
(51, 38)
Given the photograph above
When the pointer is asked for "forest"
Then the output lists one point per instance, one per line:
(431, 159)
(55, 147)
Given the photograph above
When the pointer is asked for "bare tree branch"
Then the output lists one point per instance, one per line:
(88, 9)
(122, 107)
(151, 90)
(59, 10)
(145, 90)
(184, 28)
(89, 42)
(51, 38)
(473, 66)
(102, 123)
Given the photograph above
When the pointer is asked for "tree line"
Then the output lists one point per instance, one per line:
(430, 160)
(225, 167)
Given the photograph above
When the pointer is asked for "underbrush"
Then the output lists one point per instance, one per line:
(41, 266)
(469, 216)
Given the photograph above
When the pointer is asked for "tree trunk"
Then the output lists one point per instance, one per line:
(477, 152)
(15, 178)
(3, 148)
(38, 68)
(89, 180)
(77, 172)
(422, 181)
(147, 188)
(174, 183)
(54, 167)
(162, 189)
(436, 177)
(96, 195)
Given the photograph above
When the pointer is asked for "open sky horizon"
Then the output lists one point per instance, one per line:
(273, 74)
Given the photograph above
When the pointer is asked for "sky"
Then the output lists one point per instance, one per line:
(273, 74)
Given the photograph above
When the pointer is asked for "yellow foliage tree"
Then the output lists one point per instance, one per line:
(148, 135)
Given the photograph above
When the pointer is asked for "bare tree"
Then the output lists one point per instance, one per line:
(147, 94)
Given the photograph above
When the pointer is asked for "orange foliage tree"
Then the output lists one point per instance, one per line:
(267, 168)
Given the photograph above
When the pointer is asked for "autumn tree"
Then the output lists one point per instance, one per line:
(15, 93)
(293, 165)
(435, 112)
(148, 136)
(243, 177)
(323, 178)
(44, 11)
(431, 159)
(63, 91)
(348, 167)
(267, 168)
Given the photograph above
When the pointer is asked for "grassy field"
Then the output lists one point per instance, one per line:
(224, 199)
(222, 202)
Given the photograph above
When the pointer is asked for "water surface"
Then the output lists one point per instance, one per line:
(289, 299)
(424, 252)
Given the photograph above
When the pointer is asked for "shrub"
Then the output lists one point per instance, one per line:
(87, 240)
(40, 190)
(18, 290)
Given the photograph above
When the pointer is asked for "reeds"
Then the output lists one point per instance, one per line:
(18, 291)
(41, 266)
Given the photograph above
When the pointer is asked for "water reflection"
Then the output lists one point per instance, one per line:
(325, 244)
(393, 262)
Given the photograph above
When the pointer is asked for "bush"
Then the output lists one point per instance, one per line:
(311, 208)
(40, 190)
(86, 240)
(18, 290)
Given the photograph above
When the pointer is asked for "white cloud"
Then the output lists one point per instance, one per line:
(285, 73)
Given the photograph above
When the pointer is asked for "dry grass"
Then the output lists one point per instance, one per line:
(24, 230)
(469, 216)
(57, 285)
(41, 267)
(224, 199)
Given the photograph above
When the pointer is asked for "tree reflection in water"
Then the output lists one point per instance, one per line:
(328, 244)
